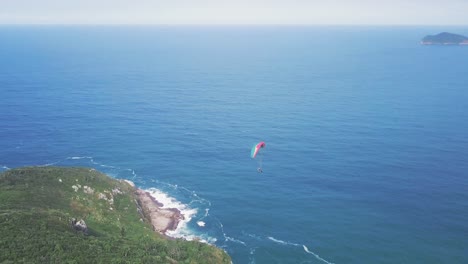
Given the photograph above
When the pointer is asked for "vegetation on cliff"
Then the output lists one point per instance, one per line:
(38, 205)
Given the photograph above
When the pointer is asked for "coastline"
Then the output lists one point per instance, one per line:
(161, 219)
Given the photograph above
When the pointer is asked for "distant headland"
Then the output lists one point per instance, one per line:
(445, 38)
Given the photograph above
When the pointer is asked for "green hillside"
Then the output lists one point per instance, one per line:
(37, 205)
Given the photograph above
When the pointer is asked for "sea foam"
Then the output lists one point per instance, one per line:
(167, 201)
(299, 245)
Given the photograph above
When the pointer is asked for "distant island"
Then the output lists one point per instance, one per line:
(445, 38)
(79, 215)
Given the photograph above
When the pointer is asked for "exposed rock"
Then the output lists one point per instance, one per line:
(79, 225)
(88, 190)
(116, 191)
(107, 197)
(162, 219)
(102, 196)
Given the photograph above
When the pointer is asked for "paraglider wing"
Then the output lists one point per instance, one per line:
(256, 149)
(253, 152)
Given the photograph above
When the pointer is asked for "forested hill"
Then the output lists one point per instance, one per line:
(41, 209)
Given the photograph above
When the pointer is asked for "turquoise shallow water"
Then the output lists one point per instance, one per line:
(365, 131)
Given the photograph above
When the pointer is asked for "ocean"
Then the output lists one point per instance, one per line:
(365, 131)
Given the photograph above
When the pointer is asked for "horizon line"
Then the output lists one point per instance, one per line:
(228, 24)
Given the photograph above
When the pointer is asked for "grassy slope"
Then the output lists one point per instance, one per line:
(37, 203)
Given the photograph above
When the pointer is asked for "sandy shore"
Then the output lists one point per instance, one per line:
(162, 219)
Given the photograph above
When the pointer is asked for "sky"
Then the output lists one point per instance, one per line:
(316, 12)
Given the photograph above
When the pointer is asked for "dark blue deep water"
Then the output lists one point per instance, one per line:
(366, 131)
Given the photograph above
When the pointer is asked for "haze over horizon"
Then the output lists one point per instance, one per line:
(241, 12)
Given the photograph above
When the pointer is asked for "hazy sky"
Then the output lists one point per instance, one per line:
(419, 12)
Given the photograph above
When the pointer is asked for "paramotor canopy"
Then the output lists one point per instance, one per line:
(256, 149)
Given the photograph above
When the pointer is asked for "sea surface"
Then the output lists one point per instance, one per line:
(366, 131)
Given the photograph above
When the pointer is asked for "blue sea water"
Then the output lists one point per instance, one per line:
(365, 130)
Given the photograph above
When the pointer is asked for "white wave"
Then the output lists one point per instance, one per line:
(251, 257)
(207, 240)
(234, 240)
(91, 159)
(201, 223)
(253, 236)
(165, 199)
(48, 164)
(282, 242)
(133, 173)
(78, 158)
(228, 238)
(187, 234)
(107, 166)
(4, 167)
(315, 255)
(195, 198)
(277, 240)
(182, 230)
(211, 240)
(102, 165)
(207, 210)
(297, 245)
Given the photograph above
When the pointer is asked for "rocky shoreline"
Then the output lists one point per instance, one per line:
(162, 219)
